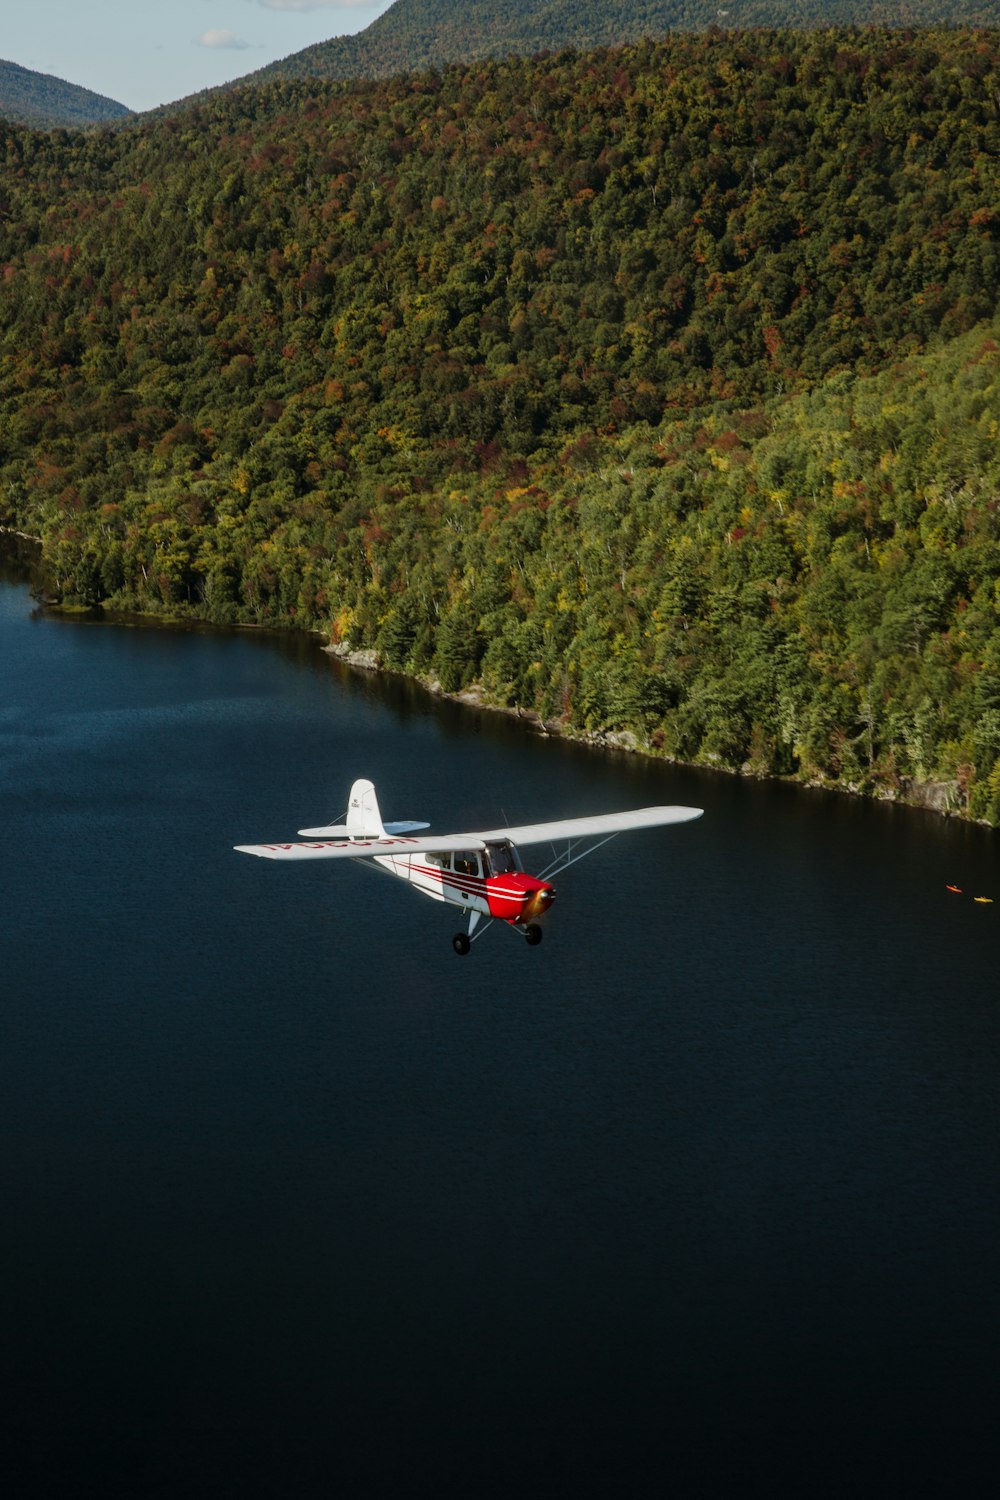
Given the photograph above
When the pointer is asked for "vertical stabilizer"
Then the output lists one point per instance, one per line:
(363, 818)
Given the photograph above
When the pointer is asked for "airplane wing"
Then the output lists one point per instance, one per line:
(594, 827)
(367, 848)
(606, 824)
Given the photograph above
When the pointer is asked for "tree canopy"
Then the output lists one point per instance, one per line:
(418, 34)
(654, 388)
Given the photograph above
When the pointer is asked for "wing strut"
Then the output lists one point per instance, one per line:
(567, 857)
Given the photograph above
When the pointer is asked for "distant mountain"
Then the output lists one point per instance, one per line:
(418, 34)
(44, 102)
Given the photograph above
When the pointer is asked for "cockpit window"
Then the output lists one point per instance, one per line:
(465, 863)
(502, 859)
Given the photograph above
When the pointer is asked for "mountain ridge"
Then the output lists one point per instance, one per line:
(418, 35)
(414, 36)
(44, 102)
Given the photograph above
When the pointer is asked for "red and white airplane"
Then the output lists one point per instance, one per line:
(479, 872)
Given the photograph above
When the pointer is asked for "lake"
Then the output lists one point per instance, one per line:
(700, 1195)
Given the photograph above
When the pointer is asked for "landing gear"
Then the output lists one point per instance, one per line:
(530, 931)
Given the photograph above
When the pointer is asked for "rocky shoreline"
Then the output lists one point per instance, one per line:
(942, 797)
(946, 798)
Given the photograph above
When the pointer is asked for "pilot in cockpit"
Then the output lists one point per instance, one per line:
(501, 859)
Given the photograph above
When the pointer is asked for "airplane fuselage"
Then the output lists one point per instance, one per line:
(491, 883)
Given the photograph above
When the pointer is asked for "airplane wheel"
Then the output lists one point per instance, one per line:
(533, 936)
(460, 942)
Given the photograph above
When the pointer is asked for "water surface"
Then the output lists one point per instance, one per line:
(701, 1193)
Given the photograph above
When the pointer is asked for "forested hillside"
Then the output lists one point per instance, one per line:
(44, 102)
(418, 34)
(654, 389)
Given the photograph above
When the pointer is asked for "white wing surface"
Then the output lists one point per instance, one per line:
(365, 848)
(594, 827)
(605, 824)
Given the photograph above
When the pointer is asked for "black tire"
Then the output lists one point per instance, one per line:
(533, 936)
(460, 942)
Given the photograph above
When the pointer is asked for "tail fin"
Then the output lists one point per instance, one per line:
(363, 818)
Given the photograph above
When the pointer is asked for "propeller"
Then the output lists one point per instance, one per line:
(538, 903)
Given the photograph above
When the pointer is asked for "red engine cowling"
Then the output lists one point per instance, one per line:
(518, 898)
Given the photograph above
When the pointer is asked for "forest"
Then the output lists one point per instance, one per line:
(413, 35)
(652, 389)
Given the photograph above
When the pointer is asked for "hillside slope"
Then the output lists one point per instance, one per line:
(417, 34)
(654, 389)
(45, 102)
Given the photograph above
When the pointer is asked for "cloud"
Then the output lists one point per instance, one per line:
(219, 36)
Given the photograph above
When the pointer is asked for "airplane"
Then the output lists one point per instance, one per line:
(480, 872)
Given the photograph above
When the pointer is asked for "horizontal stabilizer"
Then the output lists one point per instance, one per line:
(341, 830)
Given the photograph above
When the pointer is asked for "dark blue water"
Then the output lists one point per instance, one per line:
(700, 1195)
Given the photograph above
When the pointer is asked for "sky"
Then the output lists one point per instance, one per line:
(148, 52)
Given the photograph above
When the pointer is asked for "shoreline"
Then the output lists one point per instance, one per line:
(23, 536)
(925, 796)
(938, 797)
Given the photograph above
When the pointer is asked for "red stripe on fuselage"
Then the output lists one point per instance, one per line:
(468, 885)
(505, 896)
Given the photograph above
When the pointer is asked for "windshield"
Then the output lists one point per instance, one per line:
(503, 859)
